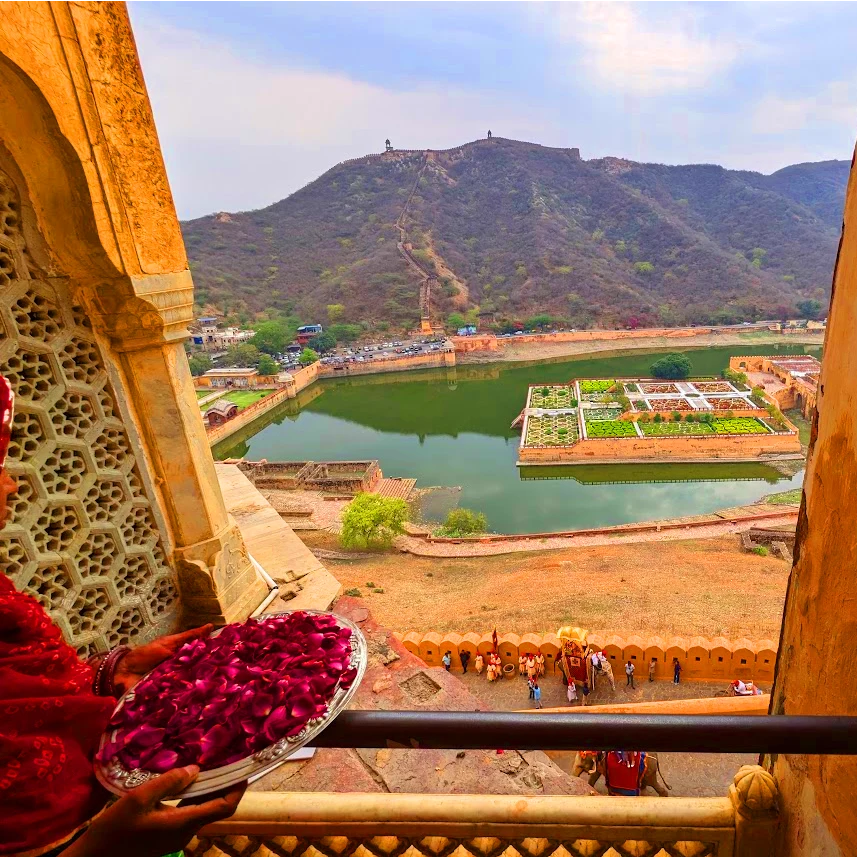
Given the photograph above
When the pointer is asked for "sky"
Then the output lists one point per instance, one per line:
(254, 100)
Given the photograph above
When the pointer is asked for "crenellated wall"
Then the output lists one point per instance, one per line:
(700, 657)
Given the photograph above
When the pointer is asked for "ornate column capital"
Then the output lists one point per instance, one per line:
(217, 580)
(139, 312)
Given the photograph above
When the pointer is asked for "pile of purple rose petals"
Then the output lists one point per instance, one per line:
(223, 698)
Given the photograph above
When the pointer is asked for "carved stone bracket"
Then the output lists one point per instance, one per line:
(139, 312)
(755, 796)
(217, 580)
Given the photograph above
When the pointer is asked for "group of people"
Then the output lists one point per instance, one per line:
(630, 669)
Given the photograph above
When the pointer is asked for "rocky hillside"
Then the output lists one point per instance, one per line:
(512, 229)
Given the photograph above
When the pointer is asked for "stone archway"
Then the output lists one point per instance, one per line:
(120, 507)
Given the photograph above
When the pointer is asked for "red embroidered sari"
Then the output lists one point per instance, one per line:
(50, 723)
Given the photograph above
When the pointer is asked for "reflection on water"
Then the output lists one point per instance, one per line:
(452, 428)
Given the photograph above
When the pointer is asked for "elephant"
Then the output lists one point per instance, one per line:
(594, 764)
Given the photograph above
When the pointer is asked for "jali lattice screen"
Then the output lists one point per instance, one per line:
(82, 537)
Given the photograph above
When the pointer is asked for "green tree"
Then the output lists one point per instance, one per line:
(672, 367)
(307, 356)
(199, 364)
(335, 312)
(540, 321)
(758, 256)
(455, 320)
(644, 267)
(346, 332)
(464, 522)
(322, 342)
(809, 308)
(267, 365)
(271, 337)
(244, 354)
(372, 521)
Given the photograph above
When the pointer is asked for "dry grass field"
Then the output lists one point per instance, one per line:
(707, 586)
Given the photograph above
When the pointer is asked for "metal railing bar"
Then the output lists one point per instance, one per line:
(664, 732)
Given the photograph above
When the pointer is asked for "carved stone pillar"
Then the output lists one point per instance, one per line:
(755, 797)
(147, 328)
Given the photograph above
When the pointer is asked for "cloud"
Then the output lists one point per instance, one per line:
(621, 48)
(238, 133)
(835, 104)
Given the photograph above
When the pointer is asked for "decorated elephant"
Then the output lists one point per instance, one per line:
(626, 773)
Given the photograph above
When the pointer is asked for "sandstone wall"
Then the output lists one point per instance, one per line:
(815, 673)
(432, 360)
(700, 657)
(702, 447)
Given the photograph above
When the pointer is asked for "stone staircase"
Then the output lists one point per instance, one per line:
(399, 489)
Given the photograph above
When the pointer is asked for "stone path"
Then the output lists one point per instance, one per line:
(689, 774)
(421, 547)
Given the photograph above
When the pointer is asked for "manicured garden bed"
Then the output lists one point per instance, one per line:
(591, 414)
(670, 405)
(552, 397)
(610, 428)
(596, 386)
(552, 430)
(673, 429)
(740, 425)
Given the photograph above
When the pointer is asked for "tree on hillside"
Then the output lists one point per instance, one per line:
(372, 521)
(809, 308)
(644, 267)
(242, 355)
(455, 320)
(672, 367)
(272, 337)
(267, 365)
(348, 332)
(199, 364)
(323, 342)
(539, 322)
(335, 312)
(307, 356)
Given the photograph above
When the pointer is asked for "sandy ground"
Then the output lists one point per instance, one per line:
(545, 351)
(706, 586)
(689, 774)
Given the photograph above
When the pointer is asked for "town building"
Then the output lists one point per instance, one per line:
(230, 376)
(790, 380)
(206, 335)
(221, 411)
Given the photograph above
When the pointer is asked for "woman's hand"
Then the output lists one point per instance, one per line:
(139, 825)
(136, 663)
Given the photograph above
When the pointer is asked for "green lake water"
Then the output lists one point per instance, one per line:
(451, 428)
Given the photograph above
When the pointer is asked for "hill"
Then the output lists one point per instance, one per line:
(512, 229)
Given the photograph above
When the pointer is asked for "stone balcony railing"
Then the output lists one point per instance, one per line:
(741, 824)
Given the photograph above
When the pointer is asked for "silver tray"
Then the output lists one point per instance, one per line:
(115, 777)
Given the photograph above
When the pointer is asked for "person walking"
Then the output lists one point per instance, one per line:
(676, 671)
(447, 660)
(465, 659)
(532, 686)
(653, 663)
(629, 672)
(571, 692)
(537, 694)
(480, 663)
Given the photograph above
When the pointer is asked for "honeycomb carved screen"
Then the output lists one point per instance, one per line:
(81, 535)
